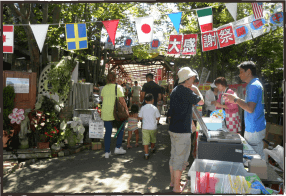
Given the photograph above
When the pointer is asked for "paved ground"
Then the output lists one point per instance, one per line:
(89, 172)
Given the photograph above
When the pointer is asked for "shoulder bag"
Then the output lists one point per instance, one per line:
(119, 113)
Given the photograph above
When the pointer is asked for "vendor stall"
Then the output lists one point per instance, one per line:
(226, 163)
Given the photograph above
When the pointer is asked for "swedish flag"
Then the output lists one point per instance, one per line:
(76, 36)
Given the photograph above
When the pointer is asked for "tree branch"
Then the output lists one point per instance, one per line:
(15, 10)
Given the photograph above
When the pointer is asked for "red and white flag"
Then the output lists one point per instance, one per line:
(257, 10)
(144, 26)
(8, 38)
(225, 36)
(190, 44)
(209, 41)
(175, 44)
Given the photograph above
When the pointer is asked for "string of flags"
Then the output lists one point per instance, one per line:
(226, 35)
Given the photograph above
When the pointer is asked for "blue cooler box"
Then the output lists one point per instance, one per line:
(212, 124)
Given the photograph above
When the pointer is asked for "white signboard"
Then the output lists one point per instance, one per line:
(96, 129)
(21, 85)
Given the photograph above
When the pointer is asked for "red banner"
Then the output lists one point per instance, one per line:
(209, 41)
(159, 74)
(190, 44)
(225, 36)
(175, 44)
(156, 79)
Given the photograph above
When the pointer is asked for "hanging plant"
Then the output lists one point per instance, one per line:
(60, 77)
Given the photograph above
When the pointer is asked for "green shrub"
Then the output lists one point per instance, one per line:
(8, 105)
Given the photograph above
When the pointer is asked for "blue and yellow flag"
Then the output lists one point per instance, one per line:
(76, 36)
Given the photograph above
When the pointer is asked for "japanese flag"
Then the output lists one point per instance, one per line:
(8, 39)
(144, 26)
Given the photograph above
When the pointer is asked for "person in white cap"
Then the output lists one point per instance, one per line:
(210, 99)
(181, 101)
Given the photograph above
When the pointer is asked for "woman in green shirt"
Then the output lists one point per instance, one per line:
(108, 101)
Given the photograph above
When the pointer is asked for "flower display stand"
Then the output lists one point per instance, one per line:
(43, 145)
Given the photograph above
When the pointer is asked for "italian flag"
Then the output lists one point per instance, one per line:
(205, 17)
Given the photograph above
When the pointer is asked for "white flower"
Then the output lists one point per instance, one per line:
(73, 124)
(81, 129)
(63, 125)
(76, 119)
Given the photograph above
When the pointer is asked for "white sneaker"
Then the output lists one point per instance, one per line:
(119, 151)
(107, 154)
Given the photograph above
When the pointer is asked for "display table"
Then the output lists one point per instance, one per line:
(272, 177)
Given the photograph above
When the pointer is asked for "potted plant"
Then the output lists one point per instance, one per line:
(73, 133)
(46, 122)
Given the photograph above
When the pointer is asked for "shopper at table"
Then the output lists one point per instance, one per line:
(232, 119)
(181, 101)
(253, 106)
(210, 99)
(108, 101)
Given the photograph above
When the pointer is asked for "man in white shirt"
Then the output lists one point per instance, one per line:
(135, 90)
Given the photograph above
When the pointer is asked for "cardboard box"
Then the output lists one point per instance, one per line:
(96, 145)
(259, 167)
(274, 133)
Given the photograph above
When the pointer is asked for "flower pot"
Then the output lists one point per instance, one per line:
(71, 140)
(24, 143)
(54, 154)
(6, 137)
(43, 145)
(62, 145)
(56, 147)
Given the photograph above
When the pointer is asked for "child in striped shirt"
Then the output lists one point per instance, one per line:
(133, 125)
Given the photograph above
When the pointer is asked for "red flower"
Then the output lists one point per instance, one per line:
(46, 133)
(56, 129)
(53, 132)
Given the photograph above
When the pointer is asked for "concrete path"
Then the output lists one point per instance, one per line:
(89, 172)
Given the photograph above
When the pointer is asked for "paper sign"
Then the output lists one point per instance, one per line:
(190, 44)
(96, 129)
(175, 44)
(108, 44)
(209, 41)
(242, 30)
(225, 36)
(21, 85)
(258, 27)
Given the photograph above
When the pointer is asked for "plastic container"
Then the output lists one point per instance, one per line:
(212, 123)
(219, 167)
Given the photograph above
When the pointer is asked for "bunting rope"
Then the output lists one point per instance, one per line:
(199, 33)
(99, 21)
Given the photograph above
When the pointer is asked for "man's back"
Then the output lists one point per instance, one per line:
(153, 88)
(136, 90)
(181, 101)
